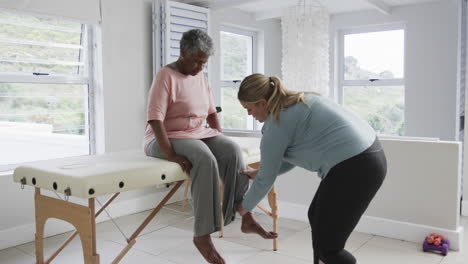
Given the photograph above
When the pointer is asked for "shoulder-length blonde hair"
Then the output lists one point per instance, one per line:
(258, 86)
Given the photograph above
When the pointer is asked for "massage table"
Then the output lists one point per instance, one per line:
(88, 177)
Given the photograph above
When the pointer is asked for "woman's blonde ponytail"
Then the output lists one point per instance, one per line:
(258, 86)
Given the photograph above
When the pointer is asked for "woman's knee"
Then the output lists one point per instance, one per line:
(228, 144)
(204, 170)
(232, 151)
(194, 150)
(204, 159)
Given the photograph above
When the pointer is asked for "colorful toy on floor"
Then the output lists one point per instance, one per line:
(435, 242)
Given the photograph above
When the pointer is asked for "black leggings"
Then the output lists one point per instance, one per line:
(341, 199)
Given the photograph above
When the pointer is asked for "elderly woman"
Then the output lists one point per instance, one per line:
(179, 102)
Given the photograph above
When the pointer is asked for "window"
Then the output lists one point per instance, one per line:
(238, 60)
(371, 77)
(44, 89)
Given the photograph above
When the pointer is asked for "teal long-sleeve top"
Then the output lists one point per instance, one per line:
(315, 136)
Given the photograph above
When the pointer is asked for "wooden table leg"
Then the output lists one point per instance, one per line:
(40, 225)
(272, 200)
(91, 205)
(82, 217)
(70, 238)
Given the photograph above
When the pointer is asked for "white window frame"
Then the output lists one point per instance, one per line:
(235, 83)
(384, 82)
(51, 78)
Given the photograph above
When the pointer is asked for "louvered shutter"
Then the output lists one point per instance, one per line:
(170, 20)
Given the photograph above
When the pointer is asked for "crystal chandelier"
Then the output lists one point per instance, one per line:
(305, 65)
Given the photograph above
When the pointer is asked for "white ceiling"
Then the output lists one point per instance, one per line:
(263, 9)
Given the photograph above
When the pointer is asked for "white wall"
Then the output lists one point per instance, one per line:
(465, 162)
(431, 103)
(127, 70)
(421, 193)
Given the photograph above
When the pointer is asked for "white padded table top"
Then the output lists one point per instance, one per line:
(96, 175)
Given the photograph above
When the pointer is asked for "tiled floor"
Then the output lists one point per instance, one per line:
(168, 240)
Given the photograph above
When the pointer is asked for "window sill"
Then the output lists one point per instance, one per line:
(7, 173)
(240, 133)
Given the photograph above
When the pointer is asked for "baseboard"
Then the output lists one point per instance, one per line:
(25, 233)
(408, 231)
(380, 226)
(368, 224)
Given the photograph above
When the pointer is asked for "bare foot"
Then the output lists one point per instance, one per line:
(249, 225)
(207, 249)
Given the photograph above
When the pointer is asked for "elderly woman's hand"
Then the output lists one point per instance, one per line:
(184, 163)
(249, 172)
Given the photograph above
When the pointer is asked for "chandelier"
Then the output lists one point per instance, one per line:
(305, 65)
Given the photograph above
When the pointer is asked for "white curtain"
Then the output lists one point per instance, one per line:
(305, 65)
(84, 11)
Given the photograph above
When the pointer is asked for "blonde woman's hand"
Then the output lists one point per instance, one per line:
(249, 172)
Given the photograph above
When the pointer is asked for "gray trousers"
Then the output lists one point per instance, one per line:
(211, 158)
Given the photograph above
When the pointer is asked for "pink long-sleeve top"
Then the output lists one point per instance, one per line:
(183, 103)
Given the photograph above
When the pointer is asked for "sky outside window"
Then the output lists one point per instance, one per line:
(376, 53)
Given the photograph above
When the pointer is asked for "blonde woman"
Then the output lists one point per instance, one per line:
(314, 133)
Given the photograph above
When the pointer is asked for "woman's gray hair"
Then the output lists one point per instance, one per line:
(196, 40)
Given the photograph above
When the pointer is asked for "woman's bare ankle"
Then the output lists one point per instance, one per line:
(205, 246)
(249, 225)
(202, 238)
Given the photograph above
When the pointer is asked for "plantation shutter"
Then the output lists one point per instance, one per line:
(170, 20)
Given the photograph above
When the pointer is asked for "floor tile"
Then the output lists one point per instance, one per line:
(168, 240)
(108, 251)
(51, 244)
(291, 224)
(233, 234)
(15, 256)
(273, 258)
(455, 258)
(187, 253)
(298, 245)
(162, 240)
(369, 254)
(128, 224)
